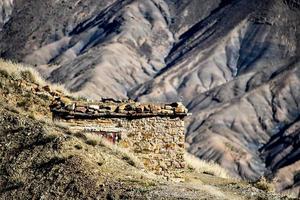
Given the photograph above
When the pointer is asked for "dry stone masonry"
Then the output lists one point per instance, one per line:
(153, 132)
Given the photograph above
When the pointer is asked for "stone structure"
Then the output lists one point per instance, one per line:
(153, 132)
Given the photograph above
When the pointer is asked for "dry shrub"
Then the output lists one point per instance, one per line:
(25, 72)
(21, 72)
(92, 142)
(202, 166)
(4, 73)
(60, 88)
(265, 185)
(28, 76)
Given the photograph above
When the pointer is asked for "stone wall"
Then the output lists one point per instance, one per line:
(153, 132)
(158, 142)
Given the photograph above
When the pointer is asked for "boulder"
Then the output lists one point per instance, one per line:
(166, 112)
(111, 108)
(70, 107)
(47, 88)
(80, 109)
(168, 107)
(130, 107)
(95, 107)
(147, 108)
(155, 108)
(179, 107)
(121, 108)
(140, 109)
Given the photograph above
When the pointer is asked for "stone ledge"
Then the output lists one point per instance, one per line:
(67, 109)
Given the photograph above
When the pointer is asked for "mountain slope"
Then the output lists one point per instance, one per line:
(41, 159)
(234, 63)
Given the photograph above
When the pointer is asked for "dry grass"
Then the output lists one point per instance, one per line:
(94, 140)
(265, 185)
(292, 194)
(202, 166)
(18, 71)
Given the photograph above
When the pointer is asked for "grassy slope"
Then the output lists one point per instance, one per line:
(43, 160)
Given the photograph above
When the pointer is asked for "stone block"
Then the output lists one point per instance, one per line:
(167, 107)
(140, 109)
(155, 108)
(95, 107)
(80, 109)
(167, 112)
(70, 107)
(47, 88)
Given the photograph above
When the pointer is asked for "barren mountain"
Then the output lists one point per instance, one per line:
(234, 63)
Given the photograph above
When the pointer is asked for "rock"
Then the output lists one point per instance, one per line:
(140, 109)
(180, 109)
(155, 108)
(65, 100)
(47, 88)
(121, 108)
(55, 93)
(90, 111)
(167, 112)
(70, 107)
(95, 107)
(147, 108)
(106, 100)
(175, 104)
(44, 95)
(130, 107)
(36, 89)
(131, 101)
(163, 166)
(111, 108)
(182, 165)
(176, 164)
(80, 109)
(103, 111)
(167, 107)
(55, 105)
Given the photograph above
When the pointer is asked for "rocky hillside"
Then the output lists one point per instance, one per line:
(41, 159)
(234, 63)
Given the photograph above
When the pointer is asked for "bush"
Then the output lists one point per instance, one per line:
(130, 159)
(28, 76)
(23, 103)
(4, 73)
(92, 142)
(78, 146)
(80, 135)
(26, 102)
(32, 115)
(265, 185)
